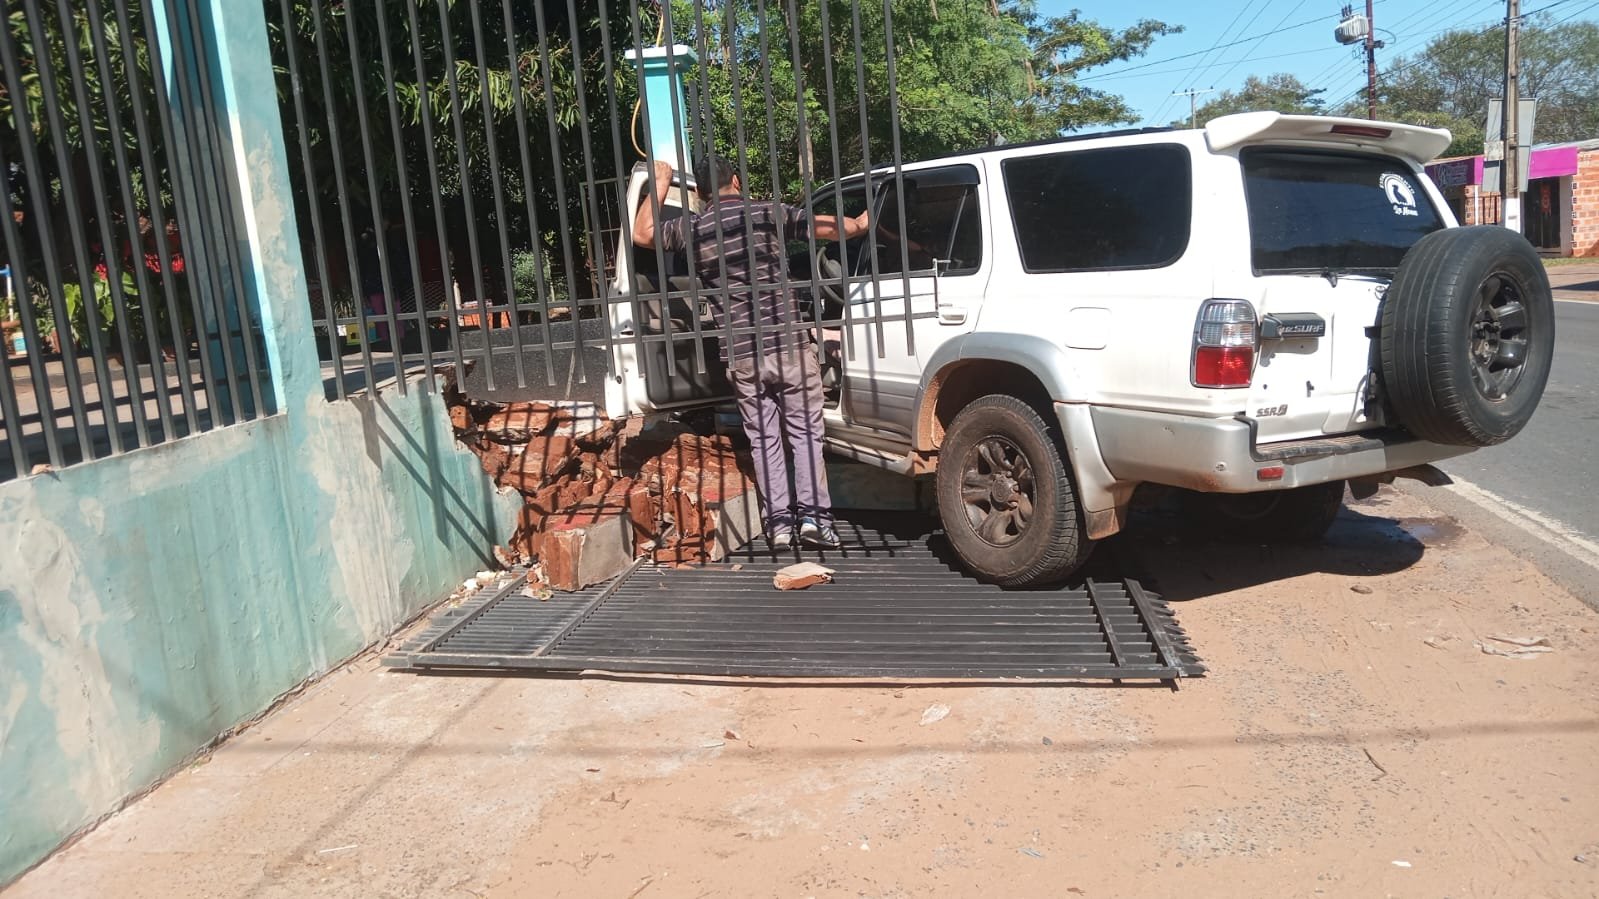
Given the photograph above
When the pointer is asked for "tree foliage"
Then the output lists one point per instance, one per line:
(1448, 84)
(1281, 92)
(966, 74)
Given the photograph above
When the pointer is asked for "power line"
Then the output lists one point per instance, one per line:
(1214, 45)
(1243, 40)
(1235, 65)
(1159, 72)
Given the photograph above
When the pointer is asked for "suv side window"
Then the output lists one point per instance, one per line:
(944, 222)
(1093, 210)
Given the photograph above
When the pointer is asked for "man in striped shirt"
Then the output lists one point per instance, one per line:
(736, 245)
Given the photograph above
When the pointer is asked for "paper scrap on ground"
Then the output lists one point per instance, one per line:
(1524, 647)
(935, 712)
(801, 575)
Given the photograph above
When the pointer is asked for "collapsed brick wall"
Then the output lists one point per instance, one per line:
(581, 475)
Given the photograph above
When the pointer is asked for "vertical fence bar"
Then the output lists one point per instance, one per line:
(130, 218)
(336, 148)
(535, 232)
(19, 276)
(11, 413)
(866, 167)
(560, 197)
(452, 311)
(457, 118)
(497, 185)
(380, 229)
(731, 41)
(596, 243)
(847, 335)
(684, 157)
(319, 252)
(807, 163)
(791, 334)
(77, 229)
(899, 178)
(407, 213)
(616, 151)
(158, 220)
(663, 289)
(194, 266)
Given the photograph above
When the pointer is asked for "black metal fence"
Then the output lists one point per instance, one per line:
(126, 321)
(459, 171)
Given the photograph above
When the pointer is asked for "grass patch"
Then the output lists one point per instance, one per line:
(1558, 261)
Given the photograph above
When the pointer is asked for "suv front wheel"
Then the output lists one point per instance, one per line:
(1005, 495)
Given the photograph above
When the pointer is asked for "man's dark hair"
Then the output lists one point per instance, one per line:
(711, 174)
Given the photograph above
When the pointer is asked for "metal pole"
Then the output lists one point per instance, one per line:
(1371, 64)
(1510, 187)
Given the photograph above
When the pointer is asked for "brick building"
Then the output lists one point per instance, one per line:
(1560, 210)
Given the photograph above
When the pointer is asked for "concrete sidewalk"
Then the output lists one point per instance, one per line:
(1350, 740)
(1575, 281)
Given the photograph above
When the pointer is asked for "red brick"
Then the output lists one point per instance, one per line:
(540, 462)
(460, 419)
(519, 422)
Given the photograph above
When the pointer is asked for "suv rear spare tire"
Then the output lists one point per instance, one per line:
(1005, 495)
(1468, 333)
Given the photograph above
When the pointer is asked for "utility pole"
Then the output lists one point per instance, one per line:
(1371, 64)
(1191, 93)
(1510, 183)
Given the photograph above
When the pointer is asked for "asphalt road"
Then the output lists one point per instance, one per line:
(1537, 493)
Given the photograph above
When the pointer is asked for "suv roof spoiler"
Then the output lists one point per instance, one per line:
(1413, 142)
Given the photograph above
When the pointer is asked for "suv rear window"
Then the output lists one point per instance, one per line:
(1313, 210)
(1092, 210)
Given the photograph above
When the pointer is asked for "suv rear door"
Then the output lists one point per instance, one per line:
(1327, 230)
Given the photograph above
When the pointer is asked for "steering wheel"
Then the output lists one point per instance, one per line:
(829, 274)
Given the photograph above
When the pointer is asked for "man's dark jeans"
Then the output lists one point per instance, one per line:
(780, 396)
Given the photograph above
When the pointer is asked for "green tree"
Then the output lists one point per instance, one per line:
(1276, 93)
(1448, 84)
(966, 74)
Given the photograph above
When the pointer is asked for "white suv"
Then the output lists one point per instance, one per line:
(1258, 312)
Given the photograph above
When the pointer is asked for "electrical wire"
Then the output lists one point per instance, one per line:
(1188, 76)
(660, 35)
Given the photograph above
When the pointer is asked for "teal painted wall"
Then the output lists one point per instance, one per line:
(152, 601)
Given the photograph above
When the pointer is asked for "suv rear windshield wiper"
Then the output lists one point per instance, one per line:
(1330, 272)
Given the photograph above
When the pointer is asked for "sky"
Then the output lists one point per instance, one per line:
(1270, 36)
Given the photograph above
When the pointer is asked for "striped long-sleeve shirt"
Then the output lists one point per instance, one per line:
(737, 243)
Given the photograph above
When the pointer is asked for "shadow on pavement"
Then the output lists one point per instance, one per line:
(1176, 559)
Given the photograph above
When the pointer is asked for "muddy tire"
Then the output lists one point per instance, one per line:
(1299, 515)
(1468, 334)
(1006, 497)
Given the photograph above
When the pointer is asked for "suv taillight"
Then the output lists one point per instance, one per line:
(1224, 344)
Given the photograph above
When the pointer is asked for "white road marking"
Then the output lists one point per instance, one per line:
(1534, 523)
(1569, 300)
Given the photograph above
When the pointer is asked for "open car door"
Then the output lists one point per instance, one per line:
(664, 356)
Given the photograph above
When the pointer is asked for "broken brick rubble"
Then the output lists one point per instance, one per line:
(598, 493)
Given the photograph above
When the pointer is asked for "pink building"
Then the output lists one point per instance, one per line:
(1560, 210)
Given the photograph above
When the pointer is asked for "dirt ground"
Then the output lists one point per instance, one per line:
(1350, 740)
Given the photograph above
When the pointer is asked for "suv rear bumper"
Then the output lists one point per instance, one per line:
(1219, 455)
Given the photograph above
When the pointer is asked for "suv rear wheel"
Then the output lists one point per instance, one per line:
(1006, 497)
(1297, 515)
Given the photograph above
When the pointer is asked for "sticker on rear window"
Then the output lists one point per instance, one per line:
(1401, 196)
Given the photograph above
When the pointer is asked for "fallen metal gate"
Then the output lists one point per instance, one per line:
(897, 609)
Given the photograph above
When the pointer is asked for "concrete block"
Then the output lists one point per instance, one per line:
(585, 548)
